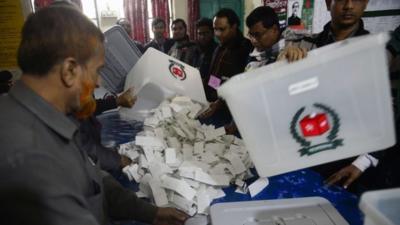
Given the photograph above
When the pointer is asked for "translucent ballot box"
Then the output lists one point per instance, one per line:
(334, 104)
(121, 54)
(157, 76)
(381, 207)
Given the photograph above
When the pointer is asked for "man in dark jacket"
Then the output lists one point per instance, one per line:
(160, 42)
(183, 49)
(109, 159)
(229, 59)
(205, 45)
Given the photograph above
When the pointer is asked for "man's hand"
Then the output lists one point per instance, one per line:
(346, 175)
(212, 108)
(292, 54)
(170, 216)
(125, 161)
(230, 128)
(126, 99)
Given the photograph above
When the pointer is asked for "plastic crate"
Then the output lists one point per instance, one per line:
(121, 54)
(334, 104)
(381, 207)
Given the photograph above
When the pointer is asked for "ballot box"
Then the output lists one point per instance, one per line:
(333, 104)
(121, 54)
(296, 211)
(381, 207)
(156, 77)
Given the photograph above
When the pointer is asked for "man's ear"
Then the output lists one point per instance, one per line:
(70, 71)
(275, 28)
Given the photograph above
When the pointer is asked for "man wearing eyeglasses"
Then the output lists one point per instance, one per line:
(264, 34)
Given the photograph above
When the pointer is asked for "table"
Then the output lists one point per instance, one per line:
(301, 183)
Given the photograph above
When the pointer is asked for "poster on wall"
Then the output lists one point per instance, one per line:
(294, 10)
(307, 14)
(280, 7)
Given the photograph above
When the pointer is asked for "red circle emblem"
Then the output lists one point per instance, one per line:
(177, 71)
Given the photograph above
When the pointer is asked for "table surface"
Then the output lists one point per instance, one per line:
(296, 184)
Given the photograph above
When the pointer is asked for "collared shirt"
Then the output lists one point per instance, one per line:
(203, 56)
(326, 37)
(228, 60)
(41, 152)
(184, 51)
(164, 47)
(259, 59)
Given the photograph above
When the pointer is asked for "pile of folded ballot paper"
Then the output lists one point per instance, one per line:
(180, 162)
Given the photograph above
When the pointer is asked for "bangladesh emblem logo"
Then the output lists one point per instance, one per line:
(177, 70)
(310, 129)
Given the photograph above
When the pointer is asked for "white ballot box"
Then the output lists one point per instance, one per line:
(381, 207)
(334, 104)
(157, 76)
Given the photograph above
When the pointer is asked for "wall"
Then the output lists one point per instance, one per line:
(248, 7)
(179, 9)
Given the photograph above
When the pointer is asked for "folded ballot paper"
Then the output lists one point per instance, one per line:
(183, 163)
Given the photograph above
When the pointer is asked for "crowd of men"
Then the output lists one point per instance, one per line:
(52, 164)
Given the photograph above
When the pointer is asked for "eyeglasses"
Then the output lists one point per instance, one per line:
(257, 35)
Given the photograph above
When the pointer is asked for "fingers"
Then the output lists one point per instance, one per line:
(335, 178)
(348, 174)
(134, 99)
(293, 54)
(179, 216)
(129, 91)
(207, 113)
(349, 181)
(127, 99)
(170, 216)
(354, 174)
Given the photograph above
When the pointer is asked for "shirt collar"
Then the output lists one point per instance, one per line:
(47, 113)
(267, 54)
(359, 30)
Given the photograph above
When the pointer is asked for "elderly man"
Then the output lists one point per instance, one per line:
(60, 54)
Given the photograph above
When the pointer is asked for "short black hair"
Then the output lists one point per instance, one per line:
(203, 22)
(5, 76)
(264, 14)
(157, 21)
(179, 20)
(230, 15)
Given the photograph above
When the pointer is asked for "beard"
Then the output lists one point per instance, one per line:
(87, 101)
